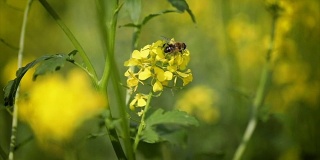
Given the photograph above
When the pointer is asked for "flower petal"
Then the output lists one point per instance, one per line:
(157, 86)
(141, 102)
(168, 75)
(136, 54)
(145, 74)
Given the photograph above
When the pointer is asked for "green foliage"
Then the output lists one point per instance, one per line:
(182, 6)
(228, 51)
(147, 18)
(47, 64)
(171, 117)
(150, 133)
(54, 63)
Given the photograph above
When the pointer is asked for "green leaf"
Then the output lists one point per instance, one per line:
(134, 9)
(55, 63)
(8, 93)
(149, 135)
(191, 15)
(178, 137)
(171, 117)
(48, 65)
(150, 16)
(11, 88)
(152, 132)
(147, 18)
(182, 6)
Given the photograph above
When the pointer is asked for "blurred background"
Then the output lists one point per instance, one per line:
(228, 46)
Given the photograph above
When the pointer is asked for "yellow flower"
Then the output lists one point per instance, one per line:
(152, 63)
(145, 74)
(162, 75)
(186, 77)
(56, 106)
(157, 86)
(140, 100)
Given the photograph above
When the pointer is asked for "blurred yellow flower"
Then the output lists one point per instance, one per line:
(200, 101)
(9, 73)
(293, 84)
(56, 106)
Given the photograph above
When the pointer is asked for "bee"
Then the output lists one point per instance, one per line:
(173, 47)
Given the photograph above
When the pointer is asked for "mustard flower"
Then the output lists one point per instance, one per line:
(153, 66)
(140, 100)
(160, 65)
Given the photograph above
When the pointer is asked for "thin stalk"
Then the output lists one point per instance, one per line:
(253, 120)
(108, 27)
(70, 35)
(103, 83)
(20, 56)
(114, 138)
(93, 78)
(110, 36)
(118, 88)
(259, 98)
(142, 123)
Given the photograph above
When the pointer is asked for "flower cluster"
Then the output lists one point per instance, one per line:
(151, 65)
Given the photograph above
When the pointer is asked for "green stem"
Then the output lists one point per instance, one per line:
(93, 78)
(114, 138)
(118, 89)
(20, 56)
(259, 98)
(142, 123)
(108, 25)
(254, 117)
(70, 35)
(110, 36)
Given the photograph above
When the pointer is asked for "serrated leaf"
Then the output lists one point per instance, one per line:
(71, 55)
(150, 133)
(150, 136)
(172, 117)
(55, 63)
(11, 88)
